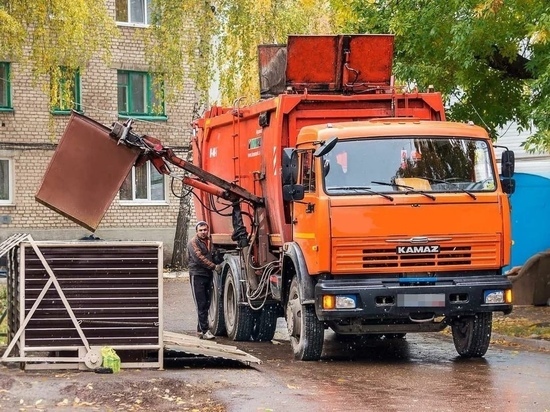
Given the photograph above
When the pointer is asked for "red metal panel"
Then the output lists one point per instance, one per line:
(372, 57)
(313, 62)
(85, 172)
(334, 63)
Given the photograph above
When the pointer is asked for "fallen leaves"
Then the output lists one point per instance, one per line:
(521, 328)
(64, 402)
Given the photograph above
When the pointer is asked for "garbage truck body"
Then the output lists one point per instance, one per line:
(378, 216)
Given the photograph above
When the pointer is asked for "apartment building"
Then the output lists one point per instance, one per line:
(145, 207)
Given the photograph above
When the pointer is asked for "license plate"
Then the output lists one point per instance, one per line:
(421, 300)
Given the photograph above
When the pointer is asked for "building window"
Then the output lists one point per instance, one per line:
(6, 181)
(65, 90)
(144, 184)
(5, 86)
(139, 94)
(133, 11)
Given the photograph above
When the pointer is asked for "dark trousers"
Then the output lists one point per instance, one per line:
(201, 286)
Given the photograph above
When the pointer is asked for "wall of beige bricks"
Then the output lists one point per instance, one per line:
(28, 135)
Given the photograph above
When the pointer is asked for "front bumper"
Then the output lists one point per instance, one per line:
(388, 298)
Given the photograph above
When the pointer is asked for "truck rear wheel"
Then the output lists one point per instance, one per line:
(265, 323)
(238, 318)
(305, 330)
(472, 334)
(216, 323)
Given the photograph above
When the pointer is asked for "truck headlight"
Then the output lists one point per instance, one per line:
(339, 302)
(346, 302)
(498, 296)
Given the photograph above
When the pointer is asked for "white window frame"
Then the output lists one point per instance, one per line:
(148, 201)
(11, 181)
(146, 13)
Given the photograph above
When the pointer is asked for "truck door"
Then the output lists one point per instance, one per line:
(305, 218)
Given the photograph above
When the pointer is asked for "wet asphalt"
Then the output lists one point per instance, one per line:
(421, 372)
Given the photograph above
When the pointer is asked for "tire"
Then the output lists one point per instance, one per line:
(238, 318)
(265, 324)
(305, 330)
(472, 334)
(216, 321)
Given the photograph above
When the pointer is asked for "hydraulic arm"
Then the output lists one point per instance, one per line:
(152, 149)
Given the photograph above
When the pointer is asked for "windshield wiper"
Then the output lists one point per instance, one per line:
(409, 189)
(360, 188)
(431, 180)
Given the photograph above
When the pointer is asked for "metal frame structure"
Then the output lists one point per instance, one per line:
(105, 297)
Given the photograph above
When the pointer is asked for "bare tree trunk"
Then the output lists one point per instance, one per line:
(179, 253)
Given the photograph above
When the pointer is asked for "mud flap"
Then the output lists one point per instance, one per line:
(305, 282)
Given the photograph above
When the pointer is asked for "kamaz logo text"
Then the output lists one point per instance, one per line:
(411, 250)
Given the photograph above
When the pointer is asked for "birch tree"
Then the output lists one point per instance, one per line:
(47, 34)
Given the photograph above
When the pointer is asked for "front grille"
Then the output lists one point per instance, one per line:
(375, 258)
(462, 252)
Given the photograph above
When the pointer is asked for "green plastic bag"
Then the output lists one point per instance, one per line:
(110, 359)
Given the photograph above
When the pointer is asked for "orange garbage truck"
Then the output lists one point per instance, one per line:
(340, 201)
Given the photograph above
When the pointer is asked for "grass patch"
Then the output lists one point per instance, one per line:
(521, 328)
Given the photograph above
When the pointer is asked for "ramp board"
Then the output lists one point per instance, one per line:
(195, 346)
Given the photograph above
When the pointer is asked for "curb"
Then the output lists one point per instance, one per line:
(176, 275)
(537, 344)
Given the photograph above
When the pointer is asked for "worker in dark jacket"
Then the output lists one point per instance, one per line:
(201, 266)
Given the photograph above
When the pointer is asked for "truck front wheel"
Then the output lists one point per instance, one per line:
(305, 330)
(472, 334)
(238, 318)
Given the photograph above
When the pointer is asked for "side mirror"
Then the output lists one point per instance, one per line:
(293, 192)
(508, 185)
(326, 147)
(508, 163)
(290, 166)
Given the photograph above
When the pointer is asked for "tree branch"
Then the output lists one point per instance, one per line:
(512, 68)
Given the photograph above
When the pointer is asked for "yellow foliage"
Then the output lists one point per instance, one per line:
(488, 7)
(221, 40)
(47, 34)
(10, 31)
(541, 36)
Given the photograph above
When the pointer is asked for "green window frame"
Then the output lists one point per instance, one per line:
(140, 95)
(5, 86)
(144, 185)
(65, 88)
(6, 181)
(133, 11)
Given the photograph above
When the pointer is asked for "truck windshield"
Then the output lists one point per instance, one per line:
(411, 164)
